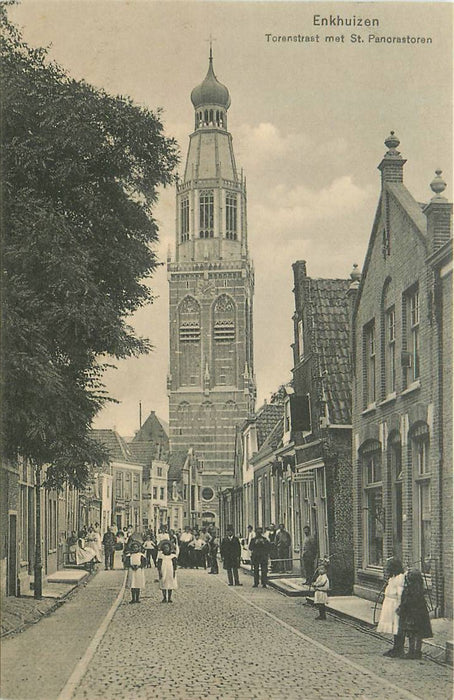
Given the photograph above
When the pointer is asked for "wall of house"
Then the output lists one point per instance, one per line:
(446, 427)
(406, 413)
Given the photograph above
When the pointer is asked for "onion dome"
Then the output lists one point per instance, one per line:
(211, 91)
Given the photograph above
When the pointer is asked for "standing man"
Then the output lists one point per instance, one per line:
(231, 554)
(260, 551)
(309, 554)
(109, 541)
(283, 547)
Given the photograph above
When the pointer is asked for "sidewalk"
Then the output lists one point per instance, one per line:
(19, 613)
(361, 612)
(37, 663)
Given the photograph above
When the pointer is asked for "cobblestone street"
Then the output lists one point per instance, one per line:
(220, 642)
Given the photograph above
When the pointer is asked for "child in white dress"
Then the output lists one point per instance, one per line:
(167, 566)
(389, 619)
(135, 580)
(321, 585)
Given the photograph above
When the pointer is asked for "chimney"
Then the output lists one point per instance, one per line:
(439, 215)
(392, 165)
(299, 274)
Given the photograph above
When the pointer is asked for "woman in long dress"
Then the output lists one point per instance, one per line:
(389, 619)
(92, 542)
(167, 565)
(85, 555)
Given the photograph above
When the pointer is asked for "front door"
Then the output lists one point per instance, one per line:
(12, 555)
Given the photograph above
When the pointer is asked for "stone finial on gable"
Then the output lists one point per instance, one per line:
(439, 214)
(392, 165)
(438, 185)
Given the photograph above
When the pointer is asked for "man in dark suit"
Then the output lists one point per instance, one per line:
(230, 555)
(260, 552)
(109, 541)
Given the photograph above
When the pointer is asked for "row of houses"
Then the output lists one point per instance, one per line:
(143, 484)
(359, 445)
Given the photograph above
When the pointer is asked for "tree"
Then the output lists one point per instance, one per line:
(81, 173)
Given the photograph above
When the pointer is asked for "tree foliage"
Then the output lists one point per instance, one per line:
(81, 170)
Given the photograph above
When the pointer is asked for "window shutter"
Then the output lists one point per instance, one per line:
(300, 413)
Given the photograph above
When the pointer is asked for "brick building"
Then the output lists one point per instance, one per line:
(402, 413)
(185, 491)
(150, 448)
(313, 463)
(211, 379)
(127, 475)
(240, 504)
(60, 514)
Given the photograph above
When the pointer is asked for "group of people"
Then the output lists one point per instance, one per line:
(404, 611)
(279, 550)
(260, 549)
(85, 546)
(166, 550)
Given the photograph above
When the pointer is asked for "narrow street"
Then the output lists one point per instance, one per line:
(212, 641)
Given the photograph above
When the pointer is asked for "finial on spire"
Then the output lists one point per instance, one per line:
(438, 185)
(210, 40)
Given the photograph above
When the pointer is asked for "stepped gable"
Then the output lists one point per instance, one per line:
(267, 417)
(331, 339)
(116, 446)
(176, 463)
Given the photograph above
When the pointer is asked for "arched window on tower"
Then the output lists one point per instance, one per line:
(184, 417)
(189, 342)
(231, 216)
(224, 346)
(206, 212)
(184, 219)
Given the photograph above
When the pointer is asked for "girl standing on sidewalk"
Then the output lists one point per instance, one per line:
(389, 619)
(135, 580)
(167, 566)
(414, 616)
(321, 585)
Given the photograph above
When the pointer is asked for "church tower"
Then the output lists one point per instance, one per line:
(211, 381)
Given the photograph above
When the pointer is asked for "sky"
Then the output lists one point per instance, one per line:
(308, 121)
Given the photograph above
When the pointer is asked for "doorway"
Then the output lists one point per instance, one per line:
(12, 554)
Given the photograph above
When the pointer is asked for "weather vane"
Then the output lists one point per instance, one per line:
(210, 41)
